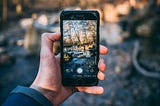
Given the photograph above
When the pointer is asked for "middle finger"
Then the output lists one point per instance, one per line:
(101, 65)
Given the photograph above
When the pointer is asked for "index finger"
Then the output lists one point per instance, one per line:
(47, 40)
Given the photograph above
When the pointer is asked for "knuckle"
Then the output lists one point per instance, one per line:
(44, 35)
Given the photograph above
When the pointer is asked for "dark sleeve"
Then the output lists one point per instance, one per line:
(24, 96)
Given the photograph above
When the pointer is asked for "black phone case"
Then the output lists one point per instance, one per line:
(79, 15)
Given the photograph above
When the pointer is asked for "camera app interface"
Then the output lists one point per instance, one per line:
(79, 48)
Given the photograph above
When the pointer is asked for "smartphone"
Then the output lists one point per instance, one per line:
(79, 47)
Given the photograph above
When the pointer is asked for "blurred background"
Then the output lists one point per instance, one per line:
(129, 28)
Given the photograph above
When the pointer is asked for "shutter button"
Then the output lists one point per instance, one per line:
(79, 70)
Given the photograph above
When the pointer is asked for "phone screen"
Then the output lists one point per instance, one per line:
(79, 48)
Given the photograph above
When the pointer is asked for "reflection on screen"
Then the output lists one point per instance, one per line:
(79, 48)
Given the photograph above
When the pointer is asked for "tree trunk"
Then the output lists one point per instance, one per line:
(4, 11)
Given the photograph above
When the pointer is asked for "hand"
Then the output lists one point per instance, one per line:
(48, 79)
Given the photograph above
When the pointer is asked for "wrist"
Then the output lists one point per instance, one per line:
(50, 95)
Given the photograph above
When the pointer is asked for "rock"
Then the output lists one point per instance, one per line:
(12, 42)
(118, 69)
(26, 22)
(2, 50)
(32, 40)
(144, 30)
(111, 33)
(43, 20)
(5, 59)
(3, 40)
(48, 23)
(20, 42)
